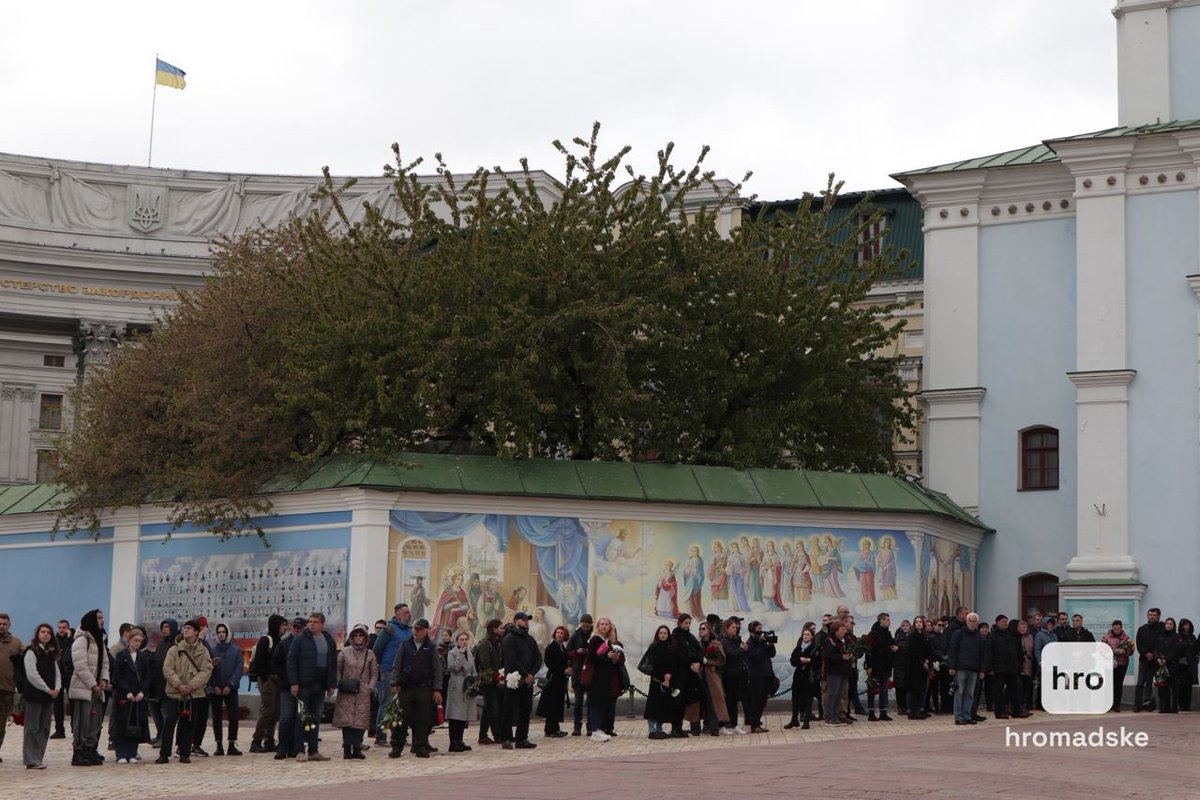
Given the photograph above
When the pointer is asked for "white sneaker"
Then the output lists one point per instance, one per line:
(739, 731)
(122, 760)
(135, 760)
(600, 736)
(727, 732)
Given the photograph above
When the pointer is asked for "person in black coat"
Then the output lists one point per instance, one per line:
(169, 628)
(519, 652)
(132, 679)
(878, 662)
(605, 657)
(659, 664)
(577, 648)
(1147, 634)
(1183, 674)
(835, 661)
(1003, 658)
(806, 680)
(286, 746)
(735, 679)
(1168, 651)
(916, 654)
(689, 658)
(554, 693)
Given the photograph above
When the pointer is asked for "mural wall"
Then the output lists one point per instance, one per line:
(460, 570)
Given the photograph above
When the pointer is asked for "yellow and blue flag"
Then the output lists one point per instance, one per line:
(168, 75)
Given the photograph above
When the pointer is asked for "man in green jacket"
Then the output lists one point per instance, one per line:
(186, 671)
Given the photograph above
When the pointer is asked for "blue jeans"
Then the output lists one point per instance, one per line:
(383, 693)
(964, 694)
(287, 723)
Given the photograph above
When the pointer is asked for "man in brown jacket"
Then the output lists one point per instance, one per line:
(186, 670)
(9, 644)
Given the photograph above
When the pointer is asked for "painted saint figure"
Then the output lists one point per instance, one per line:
(718, 581)
(814, 553)
(489, 606)
(755, 580)
(418, 600)
(693, 583)
(772, 572)
(831, 566)
(736, 569)
(885, 568)
(452, 604)
(666, 592)
(789, 571)
(864, 570)
(802, 582)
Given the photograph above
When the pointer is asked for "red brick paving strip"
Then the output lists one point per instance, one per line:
(954, 764)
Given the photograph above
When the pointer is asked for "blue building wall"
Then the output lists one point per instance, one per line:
(1185, 62)
(1027, 345)
(44, 582)
(1163, 243)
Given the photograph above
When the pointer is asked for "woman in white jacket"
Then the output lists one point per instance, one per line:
(88, 684)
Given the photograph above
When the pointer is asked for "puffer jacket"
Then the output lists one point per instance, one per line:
(187, 663)
(90, 662)
(228, 671)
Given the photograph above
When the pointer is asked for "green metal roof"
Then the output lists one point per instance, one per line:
(1035, 154)
(591, 480)
(1044, 152)
(1136, 130)
(902, 227)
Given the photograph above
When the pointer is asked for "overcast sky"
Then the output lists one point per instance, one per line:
(791, 90)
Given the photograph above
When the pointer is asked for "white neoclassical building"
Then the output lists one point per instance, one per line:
(89, 252)
(1061, 373)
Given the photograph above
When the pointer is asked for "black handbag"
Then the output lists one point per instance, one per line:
(352, 685)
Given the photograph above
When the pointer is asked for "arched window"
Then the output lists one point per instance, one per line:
(1039, 458)
(1039, 593)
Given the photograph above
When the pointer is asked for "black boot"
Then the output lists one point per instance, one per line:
(220, 751)
(807, 719)
(233, 750)
(793, 723)
(347, 752)
(397, 749)
(94, 756)
(356, 752)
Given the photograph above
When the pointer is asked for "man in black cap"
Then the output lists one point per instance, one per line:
(577, 648)
(286, 748)
(417, 678)
(519, 653)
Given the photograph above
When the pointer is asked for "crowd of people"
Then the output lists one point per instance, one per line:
(396, 683)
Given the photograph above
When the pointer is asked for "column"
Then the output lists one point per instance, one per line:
(97, 340)
(1102, 371)
(370, 526)
(951, 391)
(126, 559)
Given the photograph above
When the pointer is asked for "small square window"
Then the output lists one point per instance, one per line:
(45, 470)
(54, 361)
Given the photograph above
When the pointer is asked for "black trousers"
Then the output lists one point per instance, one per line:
(1006, 692)
(59, 711)
(178, 721)
(733, 686)
(1119, 671)
(199, 719)
(415, 705)
(230, 703)
(520, 707)
(756, 701)
(457, 729)
(802, 699)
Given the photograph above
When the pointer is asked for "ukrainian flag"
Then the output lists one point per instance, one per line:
(168, 75)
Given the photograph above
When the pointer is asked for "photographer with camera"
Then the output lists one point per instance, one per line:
(760, 652)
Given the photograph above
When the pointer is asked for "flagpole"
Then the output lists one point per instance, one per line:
(153, 103)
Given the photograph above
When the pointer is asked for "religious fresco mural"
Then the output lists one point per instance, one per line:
(475, 567)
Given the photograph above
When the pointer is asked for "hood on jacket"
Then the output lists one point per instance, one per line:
(172, 625)
(91, 624)
(273, 623)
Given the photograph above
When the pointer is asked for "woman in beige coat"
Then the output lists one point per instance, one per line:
(352, 710)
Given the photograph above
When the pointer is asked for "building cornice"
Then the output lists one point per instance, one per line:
(1124, 7)
(970, 394)
(1194, 282)
(1102, 377)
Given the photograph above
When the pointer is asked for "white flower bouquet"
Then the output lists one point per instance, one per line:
(513, 679)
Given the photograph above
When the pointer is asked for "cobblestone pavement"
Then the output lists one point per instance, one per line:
(922, 759)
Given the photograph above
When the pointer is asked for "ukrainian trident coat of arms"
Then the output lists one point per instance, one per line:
(147, 207)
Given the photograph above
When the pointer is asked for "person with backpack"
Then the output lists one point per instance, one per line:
(40, 683)
(9, 645)
(387, 643)
(263, 740)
